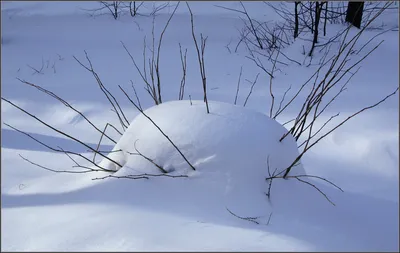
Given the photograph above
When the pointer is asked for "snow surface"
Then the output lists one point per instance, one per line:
(230, 138)
(64, 212)
(230, 148)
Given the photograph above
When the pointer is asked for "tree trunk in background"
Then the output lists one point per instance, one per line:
(354, 13)
(318, 11)
(326, 17)
(296, 20)
(312, 18)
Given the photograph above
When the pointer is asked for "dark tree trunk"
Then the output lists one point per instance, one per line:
(318, 10)
(312, 18)
(133, 10)
(296, 20)
(354, 13)
(115, 5)
(326, 17)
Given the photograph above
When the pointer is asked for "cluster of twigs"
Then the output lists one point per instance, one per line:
(152, 66)
(300, 178)
(150, 74)
(328, 82)
(40, 70)
(118, 8)
(304, 17)
(325, 89)
(112, 100)
(119, 113)
(265, 36)
(151, 77)
(299, 18)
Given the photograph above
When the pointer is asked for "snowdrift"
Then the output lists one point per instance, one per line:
(230, 139)
(232, 149)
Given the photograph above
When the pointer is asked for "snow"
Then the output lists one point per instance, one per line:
(228, 147)
(211, 140)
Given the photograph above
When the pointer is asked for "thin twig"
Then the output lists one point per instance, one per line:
(157, 65)
(140, 176)
(60, 150)
(143, 74)
(147, 158)
(36, 71)
(105, 91)
(51, 94)
(316, 188)
(183, 81)
(98, 145)
(136, 95)
(58, 131)
(200, 57)
(56, 171)
(298, 177)
(251, 89)
(238, 85)
(251, 219)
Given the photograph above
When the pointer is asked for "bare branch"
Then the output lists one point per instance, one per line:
(140, 176)
(270, 85)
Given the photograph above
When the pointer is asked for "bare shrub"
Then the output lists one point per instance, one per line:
(327, 85)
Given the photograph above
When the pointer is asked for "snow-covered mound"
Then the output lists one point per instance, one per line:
(230, 138)
(231, 146)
